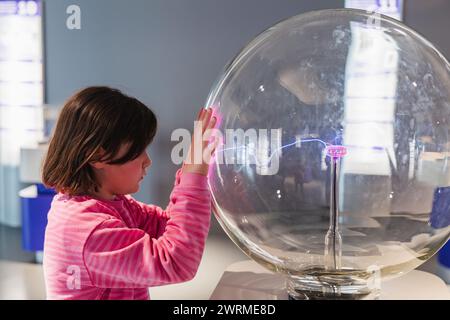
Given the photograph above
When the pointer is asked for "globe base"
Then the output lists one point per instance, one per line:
(320, 284)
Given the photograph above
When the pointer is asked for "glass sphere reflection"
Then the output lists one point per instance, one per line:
(334, 164)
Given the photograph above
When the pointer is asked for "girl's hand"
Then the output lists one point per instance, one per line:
(201, 150)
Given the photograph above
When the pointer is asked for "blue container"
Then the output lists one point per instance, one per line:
(35, 201)
(440, 214)
(440, 218)
(444, 255)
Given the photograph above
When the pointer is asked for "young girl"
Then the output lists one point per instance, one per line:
(100, 243)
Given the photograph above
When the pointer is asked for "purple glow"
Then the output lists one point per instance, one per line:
(336, 151)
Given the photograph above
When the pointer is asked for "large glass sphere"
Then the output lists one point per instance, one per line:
(334, 164)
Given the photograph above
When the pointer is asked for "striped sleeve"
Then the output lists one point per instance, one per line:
(120, 257)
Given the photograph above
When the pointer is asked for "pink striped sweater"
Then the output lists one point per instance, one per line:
(97, 249)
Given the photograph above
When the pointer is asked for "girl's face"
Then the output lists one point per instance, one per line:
(119, 179)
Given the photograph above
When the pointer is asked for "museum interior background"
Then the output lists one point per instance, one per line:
(168, 53)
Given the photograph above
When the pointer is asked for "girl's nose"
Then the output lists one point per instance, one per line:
(147, 161)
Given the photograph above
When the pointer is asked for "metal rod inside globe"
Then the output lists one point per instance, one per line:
(333, 239)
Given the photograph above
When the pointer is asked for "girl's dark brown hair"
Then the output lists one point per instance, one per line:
(92, 119)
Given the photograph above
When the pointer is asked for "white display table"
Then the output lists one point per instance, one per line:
(247, 280)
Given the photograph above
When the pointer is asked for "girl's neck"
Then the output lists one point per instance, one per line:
(103, 195)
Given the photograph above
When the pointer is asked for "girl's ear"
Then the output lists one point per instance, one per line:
(98, 164)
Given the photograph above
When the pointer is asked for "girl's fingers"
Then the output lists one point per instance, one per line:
(205, 119)
(209, 150)
(208, 121)
(200, 113)
(212, 123)
(206, 136)
(209, 129)
(200, 119)
(213, 144)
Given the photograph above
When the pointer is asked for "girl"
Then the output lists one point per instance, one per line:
(100, 243)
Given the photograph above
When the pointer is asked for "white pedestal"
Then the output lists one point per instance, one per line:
(247, 280)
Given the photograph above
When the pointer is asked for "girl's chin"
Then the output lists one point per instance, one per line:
(132, 190)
